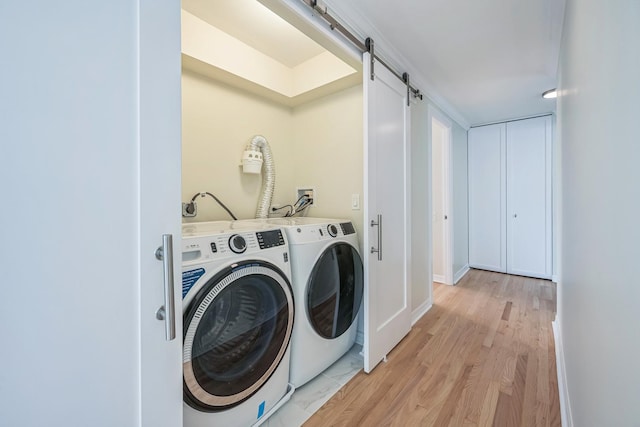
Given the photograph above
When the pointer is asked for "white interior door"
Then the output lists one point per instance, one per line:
(487, 198)
(90, 154)
(441, 199)
(529, 197)
(159, 213)
(386, 295)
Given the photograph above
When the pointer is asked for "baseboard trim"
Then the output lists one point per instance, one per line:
(420, 311)
(460, 274)
(438, 278)
(563, 392)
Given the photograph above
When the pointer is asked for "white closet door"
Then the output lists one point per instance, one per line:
(386, 296)
(487, 198)
(529, 197)
(90, 158)
(159, 183)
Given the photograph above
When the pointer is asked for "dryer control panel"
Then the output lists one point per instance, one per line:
(318, 232)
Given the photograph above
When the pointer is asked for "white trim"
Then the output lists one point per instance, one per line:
(563, 392)
(440, 279)
(512, 119)
(408, 263)
(447, 166)
(554, 278)
(460, 274)
(420, 311)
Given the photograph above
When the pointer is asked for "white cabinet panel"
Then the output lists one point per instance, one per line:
(487, 230)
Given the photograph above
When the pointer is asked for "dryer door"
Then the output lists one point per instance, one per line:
(334, 290)
(236, 332)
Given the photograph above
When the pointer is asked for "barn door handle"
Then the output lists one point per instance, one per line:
(379, 225)
(168, 311)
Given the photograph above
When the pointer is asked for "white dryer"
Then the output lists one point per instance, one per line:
(328, 284)
(238, 313)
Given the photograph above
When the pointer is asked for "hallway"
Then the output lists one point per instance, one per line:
(483, 355)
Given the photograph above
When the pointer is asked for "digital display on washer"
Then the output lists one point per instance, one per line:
(270, 239)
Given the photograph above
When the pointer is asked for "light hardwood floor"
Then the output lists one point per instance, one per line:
(482, 356)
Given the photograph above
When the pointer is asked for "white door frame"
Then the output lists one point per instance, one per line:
(435, 115)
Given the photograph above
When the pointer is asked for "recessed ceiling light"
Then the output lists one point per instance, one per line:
(551, 93)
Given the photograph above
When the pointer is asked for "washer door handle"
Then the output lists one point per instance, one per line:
(167, 312)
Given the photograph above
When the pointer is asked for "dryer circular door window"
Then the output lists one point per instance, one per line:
(334, 290)
(236, 332)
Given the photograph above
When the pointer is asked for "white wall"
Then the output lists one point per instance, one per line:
(217, 123)
(327, 151)
(460, 201)
(598, 112)
(69, 175)
(421, 249)
(318, 144)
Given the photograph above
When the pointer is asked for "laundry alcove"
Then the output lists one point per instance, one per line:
(247, 71)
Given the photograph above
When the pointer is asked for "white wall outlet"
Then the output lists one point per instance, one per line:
(355, 202)
(310, 192)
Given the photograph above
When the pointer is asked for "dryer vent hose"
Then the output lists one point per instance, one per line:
(259, 143)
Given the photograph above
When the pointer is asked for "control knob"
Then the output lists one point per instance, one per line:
(237, 244)
(333, 230)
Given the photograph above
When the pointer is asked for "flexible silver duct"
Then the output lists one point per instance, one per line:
(260, 143)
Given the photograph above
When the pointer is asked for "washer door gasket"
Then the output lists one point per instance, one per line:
(236, 332)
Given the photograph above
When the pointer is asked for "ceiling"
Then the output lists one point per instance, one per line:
(481, 61)
(257, 26)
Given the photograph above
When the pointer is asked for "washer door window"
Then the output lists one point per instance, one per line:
(334, 291)
(236, 332)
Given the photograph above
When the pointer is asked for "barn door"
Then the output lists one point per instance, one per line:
(386, 241)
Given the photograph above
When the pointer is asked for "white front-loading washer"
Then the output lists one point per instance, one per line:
(238, 312)
(328, 285)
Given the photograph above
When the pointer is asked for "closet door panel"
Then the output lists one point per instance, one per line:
(487, 198)
(529, 197)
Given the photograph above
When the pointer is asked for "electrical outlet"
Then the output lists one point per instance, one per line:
(309, 192)
(189, 209)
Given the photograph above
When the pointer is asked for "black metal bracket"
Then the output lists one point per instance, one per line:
(370, 48)
(405, 78)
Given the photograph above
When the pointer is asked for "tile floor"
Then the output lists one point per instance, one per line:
(311, 396)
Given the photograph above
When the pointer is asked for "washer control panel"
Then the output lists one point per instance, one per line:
(227, 245)
(270, 239)
(237, 244)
